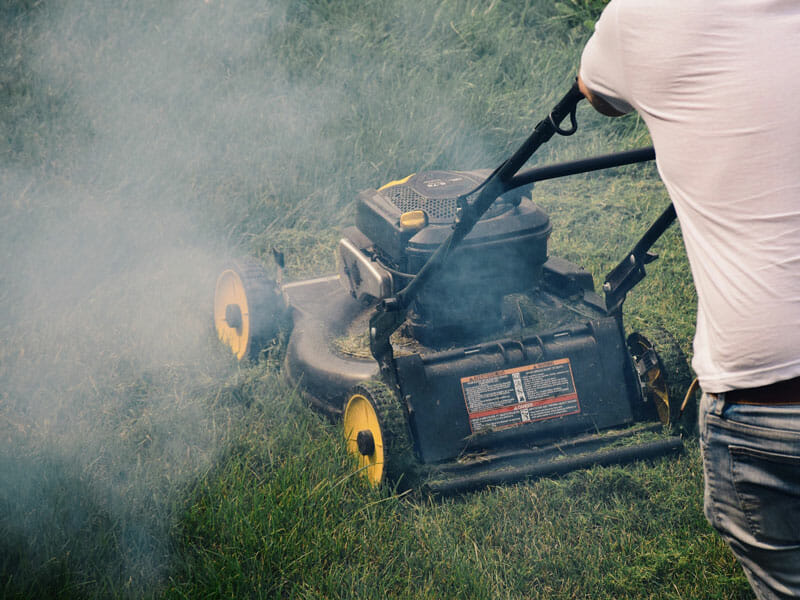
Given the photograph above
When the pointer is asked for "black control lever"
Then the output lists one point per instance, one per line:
(630, 270)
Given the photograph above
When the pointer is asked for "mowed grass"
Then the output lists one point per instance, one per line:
(144, 143)
(287, 518)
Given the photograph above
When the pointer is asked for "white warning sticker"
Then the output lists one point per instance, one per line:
(514, 397)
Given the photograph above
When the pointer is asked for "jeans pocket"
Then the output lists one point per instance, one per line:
(768, 487)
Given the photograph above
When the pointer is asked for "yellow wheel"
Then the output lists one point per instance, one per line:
(247, 309)
(663, 372)
(377, 434)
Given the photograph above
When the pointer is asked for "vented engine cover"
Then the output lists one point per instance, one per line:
(435, 192)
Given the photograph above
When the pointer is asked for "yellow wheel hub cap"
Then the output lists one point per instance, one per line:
(660, 395)
(364, 439)
(231, 313)
(655, 383)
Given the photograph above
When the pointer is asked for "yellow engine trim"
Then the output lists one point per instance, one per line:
(396, 182)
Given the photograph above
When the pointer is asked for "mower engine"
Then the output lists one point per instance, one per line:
(400, 225)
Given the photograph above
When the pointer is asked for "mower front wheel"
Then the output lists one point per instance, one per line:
(376, 432)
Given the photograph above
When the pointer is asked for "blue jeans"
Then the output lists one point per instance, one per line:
(751, 461)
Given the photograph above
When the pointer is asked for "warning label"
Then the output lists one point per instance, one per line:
(513, 397)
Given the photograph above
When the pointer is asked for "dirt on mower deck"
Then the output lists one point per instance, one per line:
(523, 313)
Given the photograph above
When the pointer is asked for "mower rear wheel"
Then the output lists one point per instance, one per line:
(666, 380)
(376, 432)
(247, 308)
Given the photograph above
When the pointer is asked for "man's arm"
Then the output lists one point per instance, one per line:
(599, 104)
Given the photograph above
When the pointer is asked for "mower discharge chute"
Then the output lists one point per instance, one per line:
(455, 351)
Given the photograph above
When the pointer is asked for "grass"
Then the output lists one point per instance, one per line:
(141, 145)
(283, 523)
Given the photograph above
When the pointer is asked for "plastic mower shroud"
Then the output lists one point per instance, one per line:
(455, 351)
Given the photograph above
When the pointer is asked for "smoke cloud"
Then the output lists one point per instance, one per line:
(126, 118)
(143, 143)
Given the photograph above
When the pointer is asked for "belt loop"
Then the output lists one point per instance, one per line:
(717, 404)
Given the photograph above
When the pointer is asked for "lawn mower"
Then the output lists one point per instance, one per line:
(456, 353)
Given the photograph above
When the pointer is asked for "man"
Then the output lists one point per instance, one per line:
(717, 84)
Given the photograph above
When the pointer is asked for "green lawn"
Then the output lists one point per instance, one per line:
(144, 143)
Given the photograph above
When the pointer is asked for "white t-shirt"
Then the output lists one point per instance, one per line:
(718, 84)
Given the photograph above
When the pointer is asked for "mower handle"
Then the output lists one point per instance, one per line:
(585, 165)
